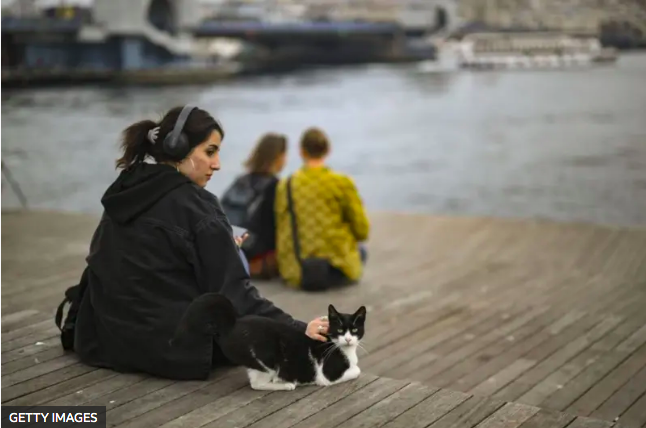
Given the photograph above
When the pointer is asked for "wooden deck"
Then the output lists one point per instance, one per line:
(471, 322)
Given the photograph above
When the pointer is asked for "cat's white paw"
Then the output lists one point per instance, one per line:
(352, 372)
(321, 381)
(273, 386)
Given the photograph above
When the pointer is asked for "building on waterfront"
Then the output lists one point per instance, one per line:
(607, 18)
(150, 37)
(423, 14)
(116, 35)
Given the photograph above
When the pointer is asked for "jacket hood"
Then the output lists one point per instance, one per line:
(138, 188)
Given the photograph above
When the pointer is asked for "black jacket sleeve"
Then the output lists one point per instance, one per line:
(222, 271)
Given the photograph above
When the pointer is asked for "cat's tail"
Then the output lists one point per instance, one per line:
(209, 314)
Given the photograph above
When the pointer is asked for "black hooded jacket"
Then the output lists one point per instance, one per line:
(162, 242)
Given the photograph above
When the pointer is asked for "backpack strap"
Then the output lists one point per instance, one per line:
(73, 296)
(58, 319)
(292, 215)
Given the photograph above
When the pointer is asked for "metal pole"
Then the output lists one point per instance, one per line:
(14, 185)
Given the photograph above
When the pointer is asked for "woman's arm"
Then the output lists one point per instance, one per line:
(354, 212)
(222, 271)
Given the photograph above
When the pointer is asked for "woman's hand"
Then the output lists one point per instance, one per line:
(317, 327)
(240, 239)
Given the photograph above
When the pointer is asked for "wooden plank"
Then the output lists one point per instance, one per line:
(63, 388)
(635, 416)
(407, 314)
(16, 319)
(219, 408)
(56, 274)
(390, 407)
(469, 414)
(546, 366)
(452, 318)
(568, 371)
(459, 345)
(561, 399)
(548, 419)
(33, 349)
(429, 410)
(386, 341)
(314, 403)
(121, 409)
(478, 343)
(30, 361)
(445, 336)
(601, 240)
(543, 368)
(593, 398)
(625, 256)
(258, 409)
(43, 300)
(38, 370)
(31, 339)
(488, 368)
(450, 376)
(27, 330)
(125, 400)
(92, 392)
(339, 412)
(622, 399)
(481, 268)
(511, 415)
(137, 391)
(44, 381)
(399, 291)
(390, 332)
(133, 389)
(583, 422)
(516, 343)
(399, 359)
(503, 377)
(220, 386)
(55, 279)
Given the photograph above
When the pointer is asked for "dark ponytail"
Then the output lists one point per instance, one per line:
(135, 143)
(136, 146)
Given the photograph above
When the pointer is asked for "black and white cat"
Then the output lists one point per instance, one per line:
(279, 356)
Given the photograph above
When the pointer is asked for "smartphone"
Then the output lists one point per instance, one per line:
(239, 231)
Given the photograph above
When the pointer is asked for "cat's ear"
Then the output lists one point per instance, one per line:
(332, 312)
(360, 315)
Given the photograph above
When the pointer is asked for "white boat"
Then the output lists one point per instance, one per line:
(446, 57)
(531, 50)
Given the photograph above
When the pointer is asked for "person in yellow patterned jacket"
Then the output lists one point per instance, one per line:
(331, 220)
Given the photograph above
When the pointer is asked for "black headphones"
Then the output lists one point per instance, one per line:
(176, 143)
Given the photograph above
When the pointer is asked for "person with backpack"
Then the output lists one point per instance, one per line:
(249, 203)
(162, 242)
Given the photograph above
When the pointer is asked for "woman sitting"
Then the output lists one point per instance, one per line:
(163, 240)
(249, 203)
(321, 222)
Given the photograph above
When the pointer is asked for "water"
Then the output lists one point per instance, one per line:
(567, 145)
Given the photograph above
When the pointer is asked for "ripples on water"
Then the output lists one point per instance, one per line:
(565, 145)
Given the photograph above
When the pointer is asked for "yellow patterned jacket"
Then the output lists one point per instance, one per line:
(331, 222)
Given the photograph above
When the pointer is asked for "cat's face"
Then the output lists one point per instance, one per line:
(346, 329)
